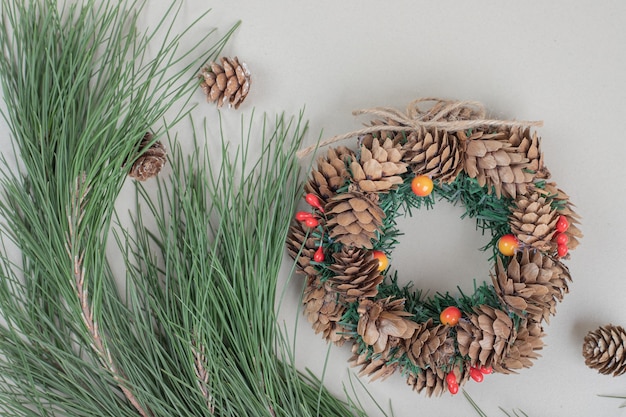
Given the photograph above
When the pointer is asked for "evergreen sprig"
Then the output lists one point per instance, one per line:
(220, 233)
(81, 90)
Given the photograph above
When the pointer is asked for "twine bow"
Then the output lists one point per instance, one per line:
(449, 115)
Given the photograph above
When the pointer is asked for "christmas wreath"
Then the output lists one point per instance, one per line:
(405, 161)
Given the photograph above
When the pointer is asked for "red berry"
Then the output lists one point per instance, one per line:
(311, 222)
(451, 378)
(561, 250)
(422, 185)
(319, 255)
(383, 262)
(486, 369)
(508, 244)
(562, 239)
(450, 316)
(314, 201)
(453, 388)
(562, 224)
(476, 374)
(303, 215)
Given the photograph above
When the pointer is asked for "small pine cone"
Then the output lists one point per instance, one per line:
(523, 350)
(229, 81)
(379, 166)
(430, 380)
(494, 161)
(531, 284)
(604, 350)
(533, 220)
(565, 208)
(529, 145)
(354, 218)
(299, 243)
(381, 319)
(356, 274)
(430, 346)
(436, 154)
(150, 161)
(486, 336)
(323, 310)
(331, 173)
(377, 366)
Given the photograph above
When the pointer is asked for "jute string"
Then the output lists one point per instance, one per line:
(449, 115)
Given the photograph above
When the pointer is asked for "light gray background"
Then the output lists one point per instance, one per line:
(563, 62)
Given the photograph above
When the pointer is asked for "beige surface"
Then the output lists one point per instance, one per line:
(563, 62)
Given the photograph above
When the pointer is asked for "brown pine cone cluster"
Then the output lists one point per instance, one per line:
(349, 221)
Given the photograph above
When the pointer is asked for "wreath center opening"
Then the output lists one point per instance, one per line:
(439, 251)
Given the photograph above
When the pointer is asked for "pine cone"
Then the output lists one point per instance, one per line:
(565, 208)
(533, 220)
(433, 380)
(436, 154)
(356, 274)
(378, 320)
(528, 145)
(430, 346)
(494, 161)
(377, 366)
(331, 173)
(150, 161)
(486, 336)
(603, 350)
(229, 81)
(531, 284)
(354, 218)
(523, 350)
(296, 240)
(323, 310)
(379, 166)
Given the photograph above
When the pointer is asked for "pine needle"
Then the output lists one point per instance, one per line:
(80, 93)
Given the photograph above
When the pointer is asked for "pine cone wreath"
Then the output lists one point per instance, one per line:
(604, 350)
(379, 167)
(354, 218)
(378, 320)
(151, 160)
(533, 220)
(226, 82)
(356, 274)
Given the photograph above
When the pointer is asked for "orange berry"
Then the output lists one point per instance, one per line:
(450, 316)
(422, 185)
(383, 262)
(508, 244)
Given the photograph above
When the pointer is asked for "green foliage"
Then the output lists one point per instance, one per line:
(80, 93)
(209, 271)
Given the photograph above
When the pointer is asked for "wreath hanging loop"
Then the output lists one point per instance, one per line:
(448, 115)
(403, 161)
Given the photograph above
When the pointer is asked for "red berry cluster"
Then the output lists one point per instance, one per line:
(477, 374)
(312, 220)
(560, 237)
